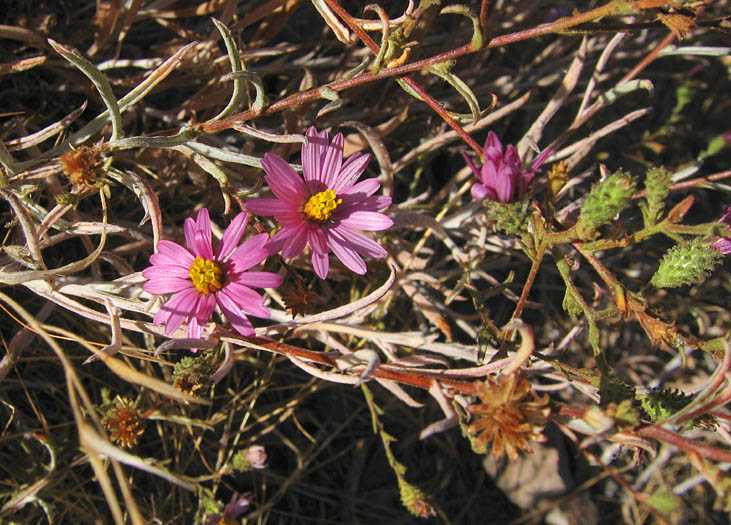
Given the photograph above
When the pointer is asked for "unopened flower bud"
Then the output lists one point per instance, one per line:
(254, 457)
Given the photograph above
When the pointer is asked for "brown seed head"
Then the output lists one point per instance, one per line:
(510, 415)
(83, 166)
(124, 423)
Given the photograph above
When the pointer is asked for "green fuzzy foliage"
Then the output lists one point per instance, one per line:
(510, 217)
(570, 304)
(604, 202)
(612, 389)
(657, 187)
(689, 263)
(660, 404)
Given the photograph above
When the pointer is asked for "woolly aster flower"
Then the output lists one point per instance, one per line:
(723, 244)
(502, 173)
(326, 208)
(201, 279)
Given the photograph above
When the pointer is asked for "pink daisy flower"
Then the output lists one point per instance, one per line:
(502, 173)
(200, 279)
(326, 208)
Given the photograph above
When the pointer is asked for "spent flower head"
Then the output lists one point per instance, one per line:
(502, 178)
(326, 207)
(200, 278)
(509, 416)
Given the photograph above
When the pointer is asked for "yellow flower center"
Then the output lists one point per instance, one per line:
(321, 206)
(207, 276)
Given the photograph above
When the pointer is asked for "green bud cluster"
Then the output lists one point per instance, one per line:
(604, 201)
(689, 263)
(657, 187)
(510, 218)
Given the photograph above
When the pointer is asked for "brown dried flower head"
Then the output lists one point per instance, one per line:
(510, 415)
(83, 166)
(298, 299)
(124, 423)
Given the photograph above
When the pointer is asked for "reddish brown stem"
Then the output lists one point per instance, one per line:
(685, 444)
(413, 378)
(428, 99)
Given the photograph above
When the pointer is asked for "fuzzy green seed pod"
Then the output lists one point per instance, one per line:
(605, 200)
(657, 187)
(689, 263)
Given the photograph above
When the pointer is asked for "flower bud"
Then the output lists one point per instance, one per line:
(254, 457)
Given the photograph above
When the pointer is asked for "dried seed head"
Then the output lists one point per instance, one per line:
(124, 422)
(510, 415)
(298, 299)
(83, 166)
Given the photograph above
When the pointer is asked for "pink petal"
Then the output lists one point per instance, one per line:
(246, 299)
(169, 252)
(195, 237)
(367, 220)
(296, 240)
(505, 185)
(194, 329)
(362, 244)
(480, 191)
(351, 171)
(317, 239)
(332, 161)
(259, 279)
(541, 159)
(321, 264)
(165, 285)
(311, 153)
(268, 206)
(204, 238)
(471, 164)
(234, 315)
(206, 305)
(177, 309)
(166, 271)
(232, 236)
(250, 253)
(347, 256)
(493, 147)
(367, 187)
(283, 180)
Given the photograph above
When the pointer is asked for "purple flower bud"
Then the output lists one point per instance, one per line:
(723, 244)
(502, 178)
(256, 456)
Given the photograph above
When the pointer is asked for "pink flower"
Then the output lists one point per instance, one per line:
(502, 173)
(723, 244)
(326, 208)
(256, 456)
(200, 279)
